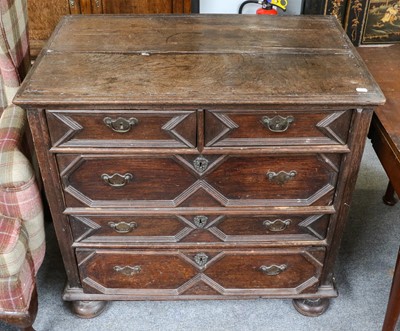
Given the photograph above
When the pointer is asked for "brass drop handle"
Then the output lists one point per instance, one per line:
(128, 270)
(281, 177)
(122, 227)
(273, 270)
(277, 123)
(117, 180)
(120, 125)
(277, 225)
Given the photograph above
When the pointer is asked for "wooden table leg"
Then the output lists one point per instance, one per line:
(393, 307)
(389, 198)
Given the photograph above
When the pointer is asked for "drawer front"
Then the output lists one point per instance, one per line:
(125, 229)
(263, 228)
(112, 129)
(108, 181)
(276, 180)
(276, 272)
(172, 181)
(133, 270)
(272, 128)
(198, 228)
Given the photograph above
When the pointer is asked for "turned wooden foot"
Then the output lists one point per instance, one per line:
(88, 309)
(311, 307)
(389, 198)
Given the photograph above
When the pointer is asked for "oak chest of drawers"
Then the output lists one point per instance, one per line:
(212, 158)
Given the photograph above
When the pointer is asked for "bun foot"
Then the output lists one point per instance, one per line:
(88, 309)
(311, 307)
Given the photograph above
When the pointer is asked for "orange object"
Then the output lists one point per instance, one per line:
(264, 11)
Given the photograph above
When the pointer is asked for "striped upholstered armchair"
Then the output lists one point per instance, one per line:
(22, 243)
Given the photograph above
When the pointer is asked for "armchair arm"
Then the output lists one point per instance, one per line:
(19, 194)
(12, 124)
(15, 169)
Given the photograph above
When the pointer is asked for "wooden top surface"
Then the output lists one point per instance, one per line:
(384, 64)
(198, 60)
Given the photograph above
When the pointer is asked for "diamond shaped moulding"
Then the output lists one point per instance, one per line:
(105, 271)
(254, 228)
(130, 229)
(75, 128)
(219, 126)
(178, 183)
(335, 126)
(250, 174)
(83, 179)
(237, 128)
(181, 130)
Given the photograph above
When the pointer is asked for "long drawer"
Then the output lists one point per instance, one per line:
(197, 181)
(197, 228)
(275, 272)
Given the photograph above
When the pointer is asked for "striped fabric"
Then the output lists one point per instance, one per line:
(19, 194)
(22, 244)
(14, 49)
(12, 125)
(15, 169)
(16, 291)
(13, 246)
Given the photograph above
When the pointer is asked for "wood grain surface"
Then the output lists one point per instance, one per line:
(384, 64)
(199, 60)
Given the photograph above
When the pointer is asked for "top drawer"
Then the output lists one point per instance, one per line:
(112, 129)
(273, 127)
